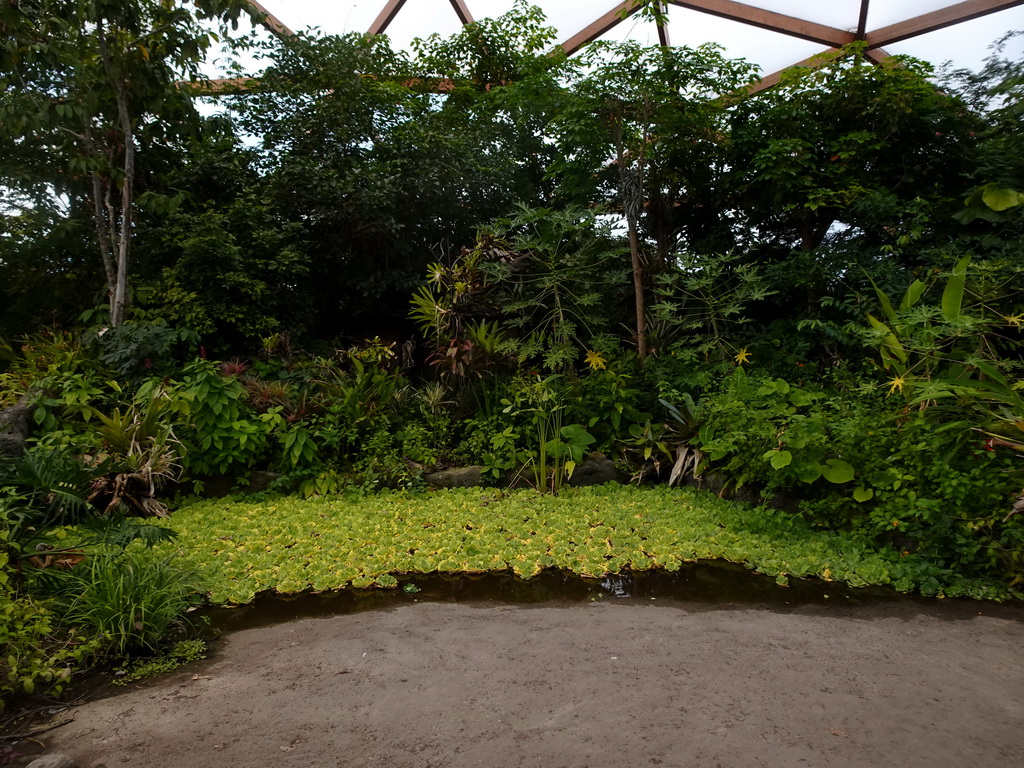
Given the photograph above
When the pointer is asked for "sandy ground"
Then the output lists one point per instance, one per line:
(605, 684)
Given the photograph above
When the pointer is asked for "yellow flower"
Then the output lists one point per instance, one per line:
(897, 383)
(595, 361)
(742, 357)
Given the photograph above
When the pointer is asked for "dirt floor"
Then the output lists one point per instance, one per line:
(609, 684)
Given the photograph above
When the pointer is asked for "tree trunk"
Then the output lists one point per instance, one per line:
(631, 192)
(638, 289)
(121, 229)
(103, 214)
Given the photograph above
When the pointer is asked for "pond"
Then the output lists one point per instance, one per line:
(708, 584)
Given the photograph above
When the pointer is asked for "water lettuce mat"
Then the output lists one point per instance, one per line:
(290, 545)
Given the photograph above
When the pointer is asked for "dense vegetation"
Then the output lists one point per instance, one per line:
(289, 545)
(373, 264)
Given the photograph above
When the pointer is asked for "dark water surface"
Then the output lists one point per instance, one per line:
(696, 585)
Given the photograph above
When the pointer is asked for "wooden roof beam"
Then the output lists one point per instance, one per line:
(862, 19)
(940, 19)
(270, 21)
(770, 20)
(221, 86)
(663, 37)
(385, 17)
(877, 55)
(601, 25)
(462, 11)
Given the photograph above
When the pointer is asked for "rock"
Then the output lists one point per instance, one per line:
(597, 469)
(53, 761)
(260, 480)
(219, 486)
(459, 477)
(15, 427)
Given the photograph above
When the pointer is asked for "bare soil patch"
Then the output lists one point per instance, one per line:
(610, 683)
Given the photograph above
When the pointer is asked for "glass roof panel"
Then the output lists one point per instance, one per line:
(422, 18)
(771, 51)
(966, 44)
(331, 18)
(882, 13)
(569, 17)
(841, 14)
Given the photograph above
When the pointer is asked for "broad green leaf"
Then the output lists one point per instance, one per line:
(913, 295)
(837, 471)
(781, 459)
(1000, 198)
(953, 294)
(863, 494)
(887, 309)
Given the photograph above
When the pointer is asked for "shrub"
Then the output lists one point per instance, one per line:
(851, 458)
(35, 656)
(130, 599)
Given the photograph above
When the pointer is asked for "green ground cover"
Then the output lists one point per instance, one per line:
(291, 545)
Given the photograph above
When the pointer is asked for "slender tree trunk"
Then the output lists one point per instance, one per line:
(631, 192)
(121, 228)
(101, 213)
(121, 288)
(102, 230)
(638, 289)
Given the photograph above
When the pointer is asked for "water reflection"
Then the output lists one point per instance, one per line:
(708, 584)
(618, 585)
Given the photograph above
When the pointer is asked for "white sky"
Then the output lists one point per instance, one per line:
(965, 44)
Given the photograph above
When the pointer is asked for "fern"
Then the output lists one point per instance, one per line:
(55, 485)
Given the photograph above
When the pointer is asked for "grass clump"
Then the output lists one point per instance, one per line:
(129, 598)
(291, 545)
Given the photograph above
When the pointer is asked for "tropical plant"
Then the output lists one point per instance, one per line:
(140, 450)
(218, 432)
(639, 95)
(557, 448)
(130, 598)
(36, 656)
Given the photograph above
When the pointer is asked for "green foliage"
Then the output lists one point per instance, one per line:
(769, 432)
(139, 349)
(845, 464)
(85, 85)
(831, 142)
(45, 489)
(179, 654)
(489, 52)
(219, 432)
(608, 402)
(128, 598)
(378, 173)
(59, 374)
(704, 302)
(557, 448)
(547, 275)
(35, 655)
(226, 273)
(290, 545)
